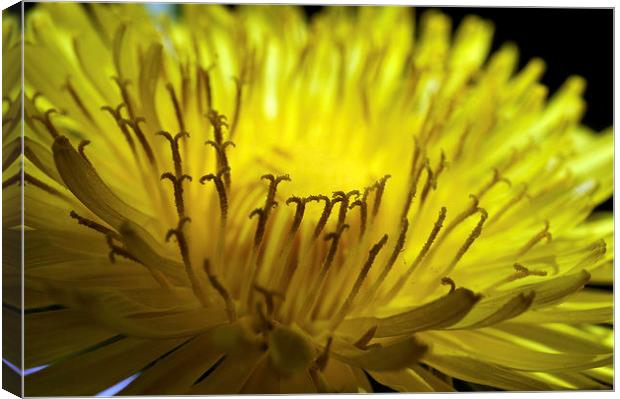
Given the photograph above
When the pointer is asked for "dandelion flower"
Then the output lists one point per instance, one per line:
(246, 201)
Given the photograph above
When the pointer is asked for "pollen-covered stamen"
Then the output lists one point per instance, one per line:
(392, 260)
(441, 166)
(215, 283)
(475, 233)
(312, 298)
(321, 361)
(519, 273)
(448, 281)
(413, 184)
(270, 203)
(299, 212)
(221, 157)
(362, 342)
(81, 147)
(543, 234)
(184, 250)
(116, 114)
(46, 121)
(221, 191)
(269, 296)
(327, 210)
(203, 76)
(497, 177)
(421, 255)
(361, 203)
(122, 86)
(177, 185)
(177, 107)
(343, 198)
(218, 121)
(237, 111)
(135, 126)
(118, 250)
(94, 225)
(429, 182)
(174, 148)
(379, 187)
(511, 202)
(76, 98)
(348, 303)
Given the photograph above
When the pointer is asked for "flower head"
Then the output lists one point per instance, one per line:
(240, 200)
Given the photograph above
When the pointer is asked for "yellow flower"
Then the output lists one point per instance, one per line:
(240, 200)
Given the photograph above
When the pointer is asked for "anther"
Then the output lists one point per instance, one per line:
(372, 254)
(450, 282)
(321, 361)
(221, 190)
(324, 216)
(429, 181)
(81, 146)
(46, 121)
(218, 121)
(270, 203)
(299, 212)
(122, 85)
(440, 168)
(116, 114)
(135, 126)
(363, 214)
(543, 234)
(174, 148)
(395, 254)
(475, 233)
(269, 296)
(422, 254)
(177, 107)
(379, 190)
(221, 157)
(177, 185)
(237, 111)
(215, 283)
(362, 343)
(94, 225)
(497, 178)
(207, 82)
(76, 98)
(343, 198)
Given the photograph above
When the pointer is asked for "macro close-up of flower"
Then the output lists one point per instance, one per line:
(251, 199)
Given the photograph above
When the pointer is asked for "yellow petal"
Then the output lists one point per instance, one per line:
(390, 356)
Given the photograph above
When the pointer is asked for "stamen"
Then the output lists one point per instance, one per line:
(343, 198)
(496, 179)
(374, 251)
(512, 202)
(421, 255)
(237, 111)
(177, 185)
(461, 144)
(450, 282)
(299, 213)
(81, 146)
(324, 216)
(118, 250)
(177, 107)
(94, 225)
(122, 85)
(520, 272)
(269, 296)
(395, 254)
(174, 148)
(184, 250)
(270, 203)
(67, 86)
(470, 240)
(222, 158)
(413, 187)
(362, 343)
(429, 182)
(135, 126)
(204, 73)
(440, 168)
(379, 189)
(218, 122)
(230, 305)
(321, 361)
(335, 238)
(45, 120)
(116, 114)
(363, 215)
(543, 234)
(221, 191)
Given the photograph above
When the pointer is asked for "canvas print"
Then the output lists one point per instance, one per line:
(257, 199)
